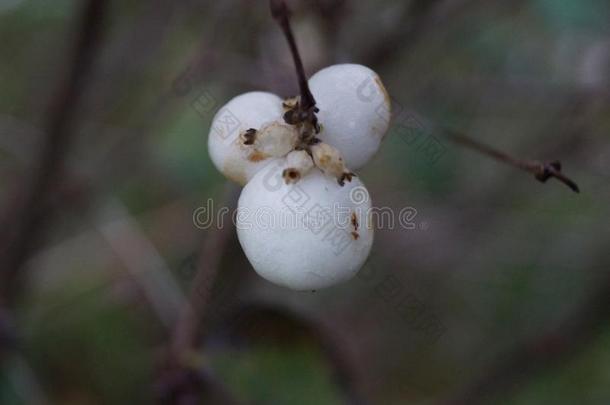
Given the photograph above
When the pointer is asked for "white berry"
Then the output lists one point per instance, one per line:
(355, 110)
(304, 236)
(225, 142)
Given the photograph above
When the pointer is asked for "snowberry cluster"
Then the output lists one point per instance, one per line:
(298, 161)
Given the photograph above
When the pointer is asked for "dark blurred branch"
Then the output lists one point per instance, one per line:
(422, 15)
(182, 380)
(186, 331)
(59, 129)
(256, 320)
(143, 262)
(419, 17)
(331, 14)
(542, 171)
(190, 386)
(7, 330)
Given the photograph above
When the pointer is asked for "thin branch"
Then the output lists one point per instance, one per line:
(181, 379)
(304, 112)
(542, 171)
(143, 262)
(186, 331)
(59, 131)
(281, 14)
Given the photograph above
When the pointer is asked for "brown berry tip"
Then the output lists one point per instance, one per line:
(291, 176)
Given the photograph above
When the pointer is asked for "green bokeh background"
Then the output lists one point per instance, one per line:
(496, 257)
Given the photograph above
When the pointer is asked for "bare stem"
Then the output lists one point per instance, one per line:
(281, 14)
(186, 331)
(182, 379)
(59, 130)
(542, 171)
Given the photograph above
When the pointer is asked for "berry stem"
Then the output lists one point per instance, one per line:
(281, 14)
(542, 171)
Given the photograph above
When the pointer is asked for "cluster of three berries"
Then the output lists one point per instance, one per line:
(303, 216)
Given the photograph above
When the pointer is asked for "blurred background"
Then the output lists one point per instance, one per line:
(498, 293)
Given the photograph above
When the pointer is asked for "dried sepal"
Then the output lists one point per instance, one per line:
(274, 139)
(329, 160)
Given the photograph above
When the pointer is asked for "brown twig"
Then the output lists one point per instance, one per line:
(185, 332)
(59, 132)
(542, 171)
(181, 378)
(281, 14)
(306, 109)
(143, 262)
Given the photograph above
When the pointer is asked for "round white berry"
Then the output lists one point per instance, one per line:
(254, 110)
(355, 110)
(306, 235)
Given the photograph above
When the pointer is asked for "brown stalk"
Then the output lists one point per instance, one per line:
(281, 14)
(182, 379)
(305, 111)
(542, 171)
